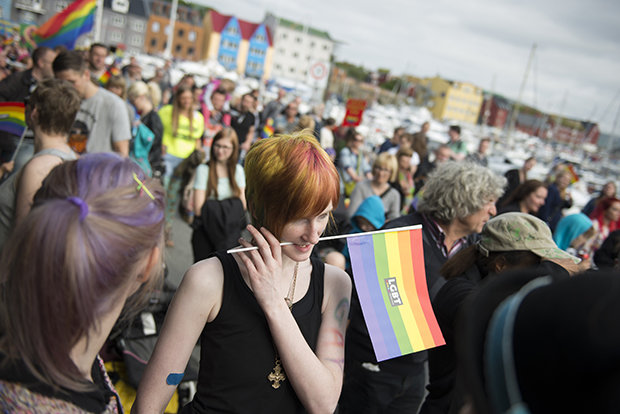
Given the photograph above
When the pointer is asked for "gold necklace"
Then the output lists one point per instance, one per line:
(276, 376)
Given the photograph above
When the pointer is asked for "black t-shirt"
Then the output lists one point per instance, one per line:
(241, 123)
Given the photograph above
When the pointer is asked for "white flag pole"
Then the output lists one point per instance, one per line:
(339, 236)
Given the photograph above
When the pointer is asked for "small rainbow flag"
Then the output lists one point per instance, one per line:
(111, 71)
(66, 26)
(267, 129)
(12, 118)
(388, 269)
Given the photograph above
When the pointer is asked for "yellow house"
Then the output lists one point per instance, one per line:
(452, 100)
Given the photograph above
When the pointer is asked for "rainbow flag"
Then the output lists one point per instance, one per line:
(111, 71)
(388, 269)
(12, 118)
(66, 26)
(268, 129)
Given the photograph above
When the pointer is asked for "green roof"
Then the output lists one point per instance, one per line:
(301, 28)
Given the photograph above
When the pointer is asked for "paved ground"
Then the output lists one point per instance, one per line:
(180, 257)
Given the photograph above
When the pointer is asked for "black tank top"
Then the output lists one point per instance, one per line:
(237, 350)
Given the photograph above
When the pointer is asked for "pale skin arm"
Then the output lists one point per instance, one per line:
(199, 199)
(316, 378)
(196, 302)
(121, 147)
(30, 181)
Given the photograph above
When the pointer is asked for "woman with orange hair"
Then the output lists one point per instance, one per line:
(271, 320)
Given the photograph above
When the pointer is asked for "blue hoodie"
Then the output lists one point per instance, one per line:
(373, 210)
(569, 228)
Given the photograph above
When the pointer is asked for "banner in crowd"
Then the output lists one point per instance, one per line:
(12, 118)
(355, 110)
(66, 26)
(388, 269)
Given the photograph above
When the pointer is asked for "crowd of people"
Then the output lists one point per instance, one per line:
(87, 200)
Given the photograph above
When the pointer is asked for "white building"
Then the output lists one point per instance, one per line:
(301, 54)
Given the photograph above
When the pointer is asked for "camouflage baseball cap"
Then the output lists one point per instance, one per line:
(520, 231)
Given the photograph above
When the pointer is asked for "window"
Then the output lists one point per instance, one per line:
(325, 47)
(61, 5)
(191, 36)
(137, 26)
(135, 40)
(283, 36)
(118, 21)
(116, 36)
(232, 30)
(153, 42)
(260, 38)
(298, 40)
(190, 50)
(291, 69)
(181, 33)
(178, 48)
(155, 27)
(295, 54)
(278, 67)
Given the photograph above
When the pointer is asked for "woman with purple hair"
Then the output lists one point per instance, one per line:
(91, 245)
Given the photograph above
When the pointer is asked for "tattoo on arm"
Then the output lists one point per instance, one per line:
(342, 312)
(339, 362)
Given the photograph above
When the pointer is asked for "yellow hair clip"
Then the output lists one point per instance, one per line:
(141, 187)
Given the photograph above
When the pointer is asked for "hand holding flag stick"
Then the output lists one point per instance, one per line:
(390, 280)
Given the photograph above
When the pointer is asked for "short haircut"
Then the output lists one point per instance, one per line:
(57, 102)
(387, 160)
(248, 94)
(94, 45)
(80, 263)
(117, 81)
(38, 54)
(138, 89)
(350, 135)
(455, 190)
(455, 128)
(69, 60)
(289, 177)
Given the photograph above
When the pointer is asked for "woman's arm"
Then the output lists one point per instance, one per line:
(30, 181)
(199, 199)
(196, 302)
(316, 378)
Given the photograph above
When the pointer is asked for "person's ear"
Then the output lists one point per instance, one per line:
(499, 265)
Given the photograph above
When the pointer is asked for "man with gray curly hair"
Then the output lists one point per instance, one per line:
(456, 201)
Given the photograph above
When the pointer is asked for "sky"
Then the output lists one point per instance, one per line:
(575, 71)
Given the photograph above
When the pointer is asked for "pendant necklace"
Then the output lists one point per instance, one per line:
(276, 376)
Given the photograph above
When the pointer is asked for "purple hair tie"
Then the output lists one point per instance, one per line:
(81, 204)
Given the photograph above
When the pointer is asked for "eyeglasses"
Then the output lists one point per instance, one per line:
(222, 147)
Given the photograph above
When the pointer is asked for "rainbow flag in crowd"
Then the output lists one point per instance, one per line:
(12, 118)
(66, 26)
(267, 129)
(388, 269)
(111, 71)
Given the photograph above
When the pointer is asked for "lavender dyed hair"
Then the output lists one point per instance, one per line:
(76, 270)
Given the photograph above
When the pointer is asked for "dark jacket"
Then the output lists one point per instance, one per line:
(218, 227)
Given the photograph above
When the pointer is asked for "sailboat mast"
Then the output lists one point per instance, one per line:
(515, 111)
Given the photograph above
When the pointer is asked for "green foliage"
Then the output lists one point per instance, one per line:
(353, 71)
(390, 84)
